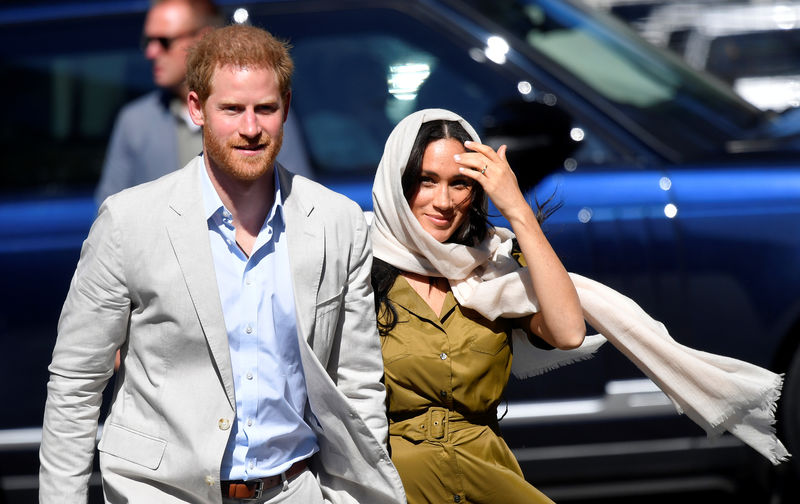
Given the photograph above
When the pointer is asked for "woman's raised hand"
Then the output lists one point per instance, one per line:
(492, 171)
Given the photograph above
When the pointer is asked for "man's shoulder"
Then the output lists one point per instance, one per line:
(137, 198)
(147, 106)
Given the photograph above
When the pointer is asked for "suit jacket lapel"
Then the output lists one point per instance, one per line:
(305, 236)
(188, 233)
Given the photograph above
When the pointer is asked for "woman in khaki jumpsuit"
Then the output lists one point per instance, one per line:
(447, 364)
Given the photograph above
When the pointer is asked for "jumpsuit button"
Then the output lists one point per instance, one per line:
(443, 356)
(456, 498)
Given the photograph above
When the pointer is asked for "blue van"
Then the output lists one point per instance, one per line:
(675, 192)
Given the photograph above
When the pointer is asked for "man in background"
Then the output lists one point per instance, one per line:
(154, 135)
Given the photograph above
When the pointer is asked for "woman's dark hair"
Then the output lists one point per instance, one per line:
(383, 277)
(472, 232)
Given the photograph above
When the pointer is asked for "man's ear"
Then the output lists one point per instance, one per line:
(286, 101)
(195, 108)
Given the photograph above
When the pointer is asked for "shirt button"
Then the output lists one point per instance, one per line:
(252, 465)
(443, 393)
(224, 424)
(210, 480)
(249, 376)
(456, 498)
(443, 356)
(248, 281)
(249, 330)
(249, 422)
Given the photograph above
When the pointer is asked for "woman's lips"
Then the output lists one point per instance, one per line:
(439, 220)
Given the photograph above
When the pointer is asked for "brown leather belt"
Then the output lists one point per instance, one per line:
(252, 489)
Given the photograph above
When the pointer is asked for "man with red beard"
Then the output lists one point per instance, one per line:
(239, 295)
(154, 135)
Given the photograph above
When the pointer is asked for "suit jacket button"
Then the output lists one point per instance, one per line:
(224, 424)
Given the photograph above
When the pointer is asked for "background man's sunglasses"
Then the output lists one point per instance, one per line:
(165, 42)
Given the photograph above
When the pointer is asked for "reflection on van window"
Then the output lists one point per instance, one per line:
(609, 59)
(612, 76)
(405, 79)
(358, 74)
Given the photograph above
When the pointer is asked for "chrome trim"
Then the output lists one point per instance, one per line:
(20, 439)
(623, 399)
(25, 439)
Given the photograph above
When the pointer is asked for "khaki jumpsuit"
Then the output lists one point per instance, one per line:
(445, 376)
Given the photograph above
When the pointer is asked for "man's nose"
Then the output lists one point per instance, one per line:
(153, 49)
(249, 126)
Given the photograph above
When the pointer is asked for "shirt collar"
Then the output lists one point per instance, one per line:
(215, 210)
(402, 294)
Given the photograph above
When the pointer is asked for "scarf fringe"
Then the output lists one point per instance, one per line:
(524, 374)
(757, 422)
(529, 361)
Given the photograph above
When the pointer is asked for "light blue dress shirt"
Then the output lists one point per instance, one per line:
(269, 433)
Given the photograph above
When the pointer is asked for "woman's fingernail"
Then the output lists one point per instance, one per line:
(457, 157)
(467, 142)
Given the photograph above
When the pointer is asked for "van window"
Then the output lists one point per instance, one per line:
(357, 74)
(64, 83)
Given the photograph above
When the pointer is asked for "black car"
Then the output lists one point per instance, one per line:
(675, 192)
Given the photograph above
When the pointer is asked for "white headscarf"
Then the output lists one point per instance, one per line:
(484, 277)
(718, 393)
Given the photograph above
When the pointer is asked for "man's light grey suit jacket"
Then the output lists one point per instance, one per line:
(145, 282)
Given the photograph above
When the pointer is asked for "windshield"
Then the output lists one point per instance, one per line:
(606, 62)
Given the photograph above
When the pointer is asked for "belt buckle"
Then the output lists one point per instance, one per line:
(438, 424)
(258, 490)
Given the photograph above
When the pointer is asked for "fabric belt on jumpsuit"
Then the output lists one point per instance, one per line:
(437, 424)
